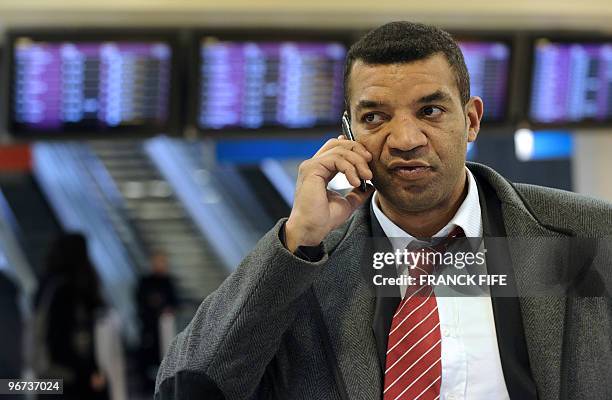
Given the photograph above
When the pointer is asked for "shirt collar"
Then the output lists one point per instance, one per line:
(468, 217)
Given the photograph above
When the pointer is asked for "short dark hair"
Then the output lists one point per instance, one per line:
(403, 42)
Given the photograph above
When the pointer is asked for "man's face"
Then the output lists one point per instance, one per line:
(159, 264)
(410, 117)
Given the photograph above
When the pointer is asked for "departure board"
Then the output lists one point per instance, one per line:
(571, 82)
(90, 85)
(290, 84)
(488, 64)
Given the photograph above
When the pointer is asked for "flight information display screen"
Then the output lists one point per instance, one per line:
(290, 84)
(571, 82)
(90, 85)
(488, 64)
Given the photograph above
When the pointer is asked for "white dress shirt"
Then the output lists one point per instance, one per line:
(471, 366)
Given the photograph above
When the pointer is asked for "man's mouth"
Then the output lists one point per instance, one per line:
(411, 168)
(411, 171)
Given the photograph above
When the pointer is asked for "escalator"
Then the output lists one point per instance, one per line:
(161, 223)
(267, 195)
(36, 225)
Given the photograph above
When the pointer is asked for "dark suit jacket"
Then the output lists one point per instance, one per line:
(281, 327)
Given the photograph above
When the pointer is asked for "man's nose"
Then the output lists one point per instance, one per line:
(405, 134)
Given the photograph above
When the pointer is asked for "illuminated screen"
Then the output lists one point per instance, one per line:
(72, 86)
(256, 84)
(571, 82)
(488, 64)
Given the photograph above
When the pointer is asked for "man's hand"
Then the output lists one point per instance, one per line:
(316, 210)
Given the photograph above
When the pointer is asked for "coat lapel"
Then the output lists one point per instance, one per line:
(543, 306)
(347, 304)
(387, 298)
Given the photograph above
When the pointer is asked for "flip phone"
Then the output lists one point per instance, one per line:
(346, 130)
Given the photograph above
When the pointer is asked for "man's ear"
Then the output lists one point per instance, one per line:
(473, 114)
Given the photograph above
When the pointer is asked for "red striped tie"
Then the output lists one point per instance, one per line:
(413, 367)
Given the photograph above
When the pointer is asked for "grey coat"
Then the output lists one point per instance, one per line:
(280, 327)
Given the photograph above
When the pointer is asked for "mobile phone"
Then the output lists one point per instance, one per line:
(346, 130)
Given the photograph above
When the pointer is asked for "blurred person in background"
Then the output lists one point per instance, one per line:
(11, 361)
(68, 303)
(156, 298)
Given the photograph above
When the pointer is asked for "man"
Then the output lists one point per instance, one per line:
(155, 296)
(298, 320)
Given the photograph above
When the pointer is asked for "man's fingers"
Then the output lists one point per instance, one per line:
(348, 169)
(344, 143)
(356, 197)
(334, 163)
(356, 159)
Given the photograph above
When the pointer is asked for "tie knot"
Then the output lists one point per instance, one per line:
(424, 261)
(442, 244)
(437, 244)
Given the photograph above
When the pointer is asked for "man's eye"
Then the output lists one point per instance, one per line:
(371, 118)
(432, 111)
